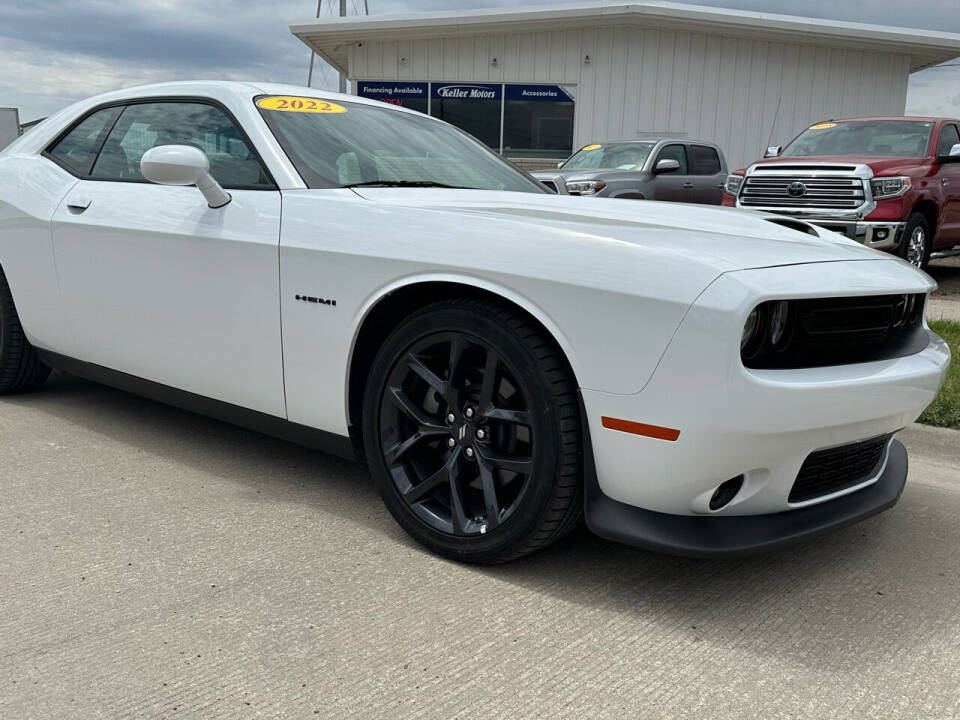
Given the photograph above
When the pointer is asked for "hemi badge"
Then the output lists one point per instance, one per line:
(635, 428)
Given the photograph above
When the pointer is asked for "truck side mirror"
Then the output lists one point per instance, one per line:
(667, 165)
(773, 151)
(952, 157)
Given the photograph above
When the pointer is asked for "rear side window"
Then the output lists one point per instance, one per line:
(948, 138)
(78, 148)
(233, 163)
(674, 152)
(703, 160)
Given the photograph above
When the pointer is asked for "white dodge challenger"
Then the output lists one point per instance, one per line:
(369, 280)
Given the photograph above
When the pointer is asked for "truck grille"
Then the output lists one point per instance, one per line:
(802, 191)
(828, 471)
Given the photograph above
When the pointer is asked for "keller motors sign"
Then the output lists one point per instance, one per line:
(465, 91)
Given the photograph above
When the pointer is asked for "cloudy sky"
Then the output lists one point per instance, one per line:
(55, 51)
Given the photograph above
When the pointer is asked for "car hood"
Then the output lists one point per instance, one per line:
(879, 165)
(587, 174)
(724, 238)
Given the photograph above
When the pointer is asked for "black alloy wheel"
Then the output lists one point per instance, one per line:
(472, 433)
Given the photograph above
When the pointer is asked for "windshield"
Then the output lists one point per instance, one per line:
(346, 144)
(622, 156)
(883, 138)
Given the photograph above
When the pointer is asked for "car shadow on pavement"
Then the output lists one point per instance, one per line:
(823, 603)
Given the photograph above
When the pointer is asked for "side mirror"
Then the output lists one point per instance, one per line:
(952, 157)
(183, 165)
(560, 164)
(666, 165)
(773, 151)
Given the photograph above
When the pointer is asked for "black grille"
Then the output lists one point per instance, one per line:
(829, 471)
(837, 331)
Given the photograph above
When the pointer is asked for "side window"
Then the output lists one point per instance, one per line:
(674, 152)
(147, 125)
(703, 160)
(78, 148)
(948, 138)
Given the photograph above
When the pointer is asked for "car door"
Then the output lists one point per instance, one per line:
(675, 186)
(948, 175)
(157, 284)
(706, 173)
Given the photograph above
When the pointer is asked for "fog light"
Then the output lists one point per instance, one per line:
(882, 234)
(726, 492)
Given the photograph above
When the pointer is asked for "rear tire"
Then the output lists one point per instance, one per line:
(916, 244)
(471, 431)
(20, 367)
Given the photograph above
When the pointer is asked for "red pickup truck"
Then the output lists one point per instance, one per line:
(892, 183)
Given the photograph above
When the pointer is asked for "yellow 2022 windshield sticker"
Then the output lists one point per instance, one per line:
(823, 126)
(289, 103)
(591, 147)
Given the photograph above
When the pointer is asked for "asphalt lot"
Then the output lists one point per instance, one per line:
(159, 564)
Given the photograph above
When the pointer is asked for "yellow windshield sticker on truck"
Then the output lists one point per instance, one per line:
(591, 147)
(289, 103)
(823, 126)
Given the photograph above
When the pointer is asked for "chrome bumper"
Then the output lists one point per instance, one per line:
(882, 235)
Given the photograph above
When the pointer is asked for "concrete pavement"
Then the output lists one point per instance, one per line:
(159, 564)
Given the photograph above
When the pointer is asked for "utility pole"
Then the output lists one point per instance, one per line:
(343, 78)
(312, 53)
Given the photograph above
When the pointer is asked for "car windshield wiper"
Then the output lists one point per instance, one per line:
(403, 183)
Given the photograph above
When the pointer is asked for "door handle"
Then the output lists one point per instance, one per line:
(78, 204)
(688, 184)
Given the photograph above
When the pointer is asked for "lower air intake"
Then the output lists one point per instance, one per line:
(825, 472)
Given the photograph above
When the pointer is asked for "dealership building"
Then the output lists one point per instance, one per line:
(536, 82)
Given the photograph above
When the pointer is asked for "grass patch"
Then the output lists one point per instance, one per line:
(945, 410)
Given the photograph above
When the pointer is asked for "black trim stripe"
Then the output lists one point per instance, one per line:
(271, 425)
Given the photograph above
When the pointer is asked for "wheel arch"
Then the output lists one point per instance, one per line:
(388, 306)
(929, 209)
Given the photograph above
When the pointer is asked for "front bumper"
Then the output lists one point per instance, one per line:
(880, 235)
(732, 536)
(761, 424)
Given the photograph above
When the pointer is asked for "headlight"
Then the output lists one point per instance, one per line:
(751, 329)
(585, 187)
(889, 187)
(779, 316)
(732, 186)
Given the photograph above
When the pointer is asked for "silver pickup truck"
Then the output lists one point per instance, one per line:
(651, 169)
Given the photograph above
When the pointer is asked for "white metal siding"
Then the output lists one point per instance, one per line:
(709, 87)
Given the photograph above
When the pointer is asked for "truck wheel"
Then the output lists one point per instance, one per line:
(20, 368)
(471, 430)
(916, 244)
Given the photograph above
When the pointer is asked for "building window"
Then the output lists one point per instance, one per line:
(537, 121)
(473, 107)
(519, 121)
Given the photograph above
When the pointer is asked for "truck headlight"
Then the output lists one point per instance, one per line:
(889, 187)
(585, 187)
(732, 185)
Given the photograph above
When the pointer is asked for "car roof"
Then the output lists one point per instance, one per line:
(648, 140)
(885, 118)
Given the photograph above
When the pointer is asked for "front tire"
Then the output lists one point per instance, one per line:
(471, 430)
(916, 245)
(20, 368)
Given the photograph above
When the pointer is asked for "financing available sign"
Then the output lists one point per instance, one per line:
(391, 90)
